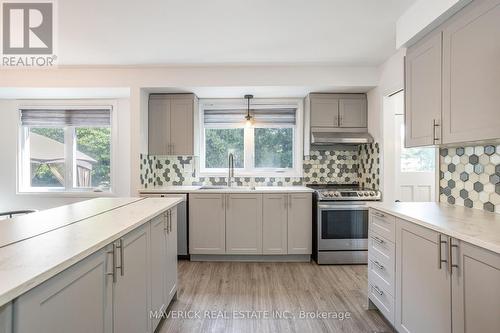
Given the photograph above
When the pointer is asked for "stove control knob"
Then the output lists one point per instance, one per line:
(372, 194)
(336, 194)
(366, 194)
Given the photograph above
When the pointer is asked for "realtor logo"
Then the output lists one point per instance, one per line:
(28, 33)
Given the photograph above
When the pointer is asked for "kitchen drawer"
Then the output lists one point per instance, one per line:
(383, 224)
(382, 273)
(382, 299)
(382, 248)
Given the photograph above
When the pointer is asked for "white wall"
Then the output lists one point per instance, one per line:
(10, 200)
(380, 119)
(422, 17)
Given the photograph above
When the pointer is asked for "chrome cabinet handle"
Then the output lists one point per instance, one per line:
(378, 240)
(113, 262)
(440, 254)
(378, 214)
(170, 221)
(379, 266)
(451, 265)
(122, 263)
(380, 292)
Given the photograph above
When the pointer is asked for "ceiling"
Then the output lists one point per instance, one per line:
(171, 32)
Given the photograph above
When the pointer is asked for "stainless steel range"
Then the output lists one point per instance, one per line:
(341, 228)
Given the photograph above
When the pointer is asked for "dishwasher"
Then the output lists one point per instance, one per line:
(182, 218)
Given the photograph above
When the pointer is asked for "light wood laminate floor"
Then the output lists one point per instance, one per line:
(287, 288)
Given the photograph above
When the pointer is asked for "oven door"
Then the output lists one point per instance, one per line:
(342, 226)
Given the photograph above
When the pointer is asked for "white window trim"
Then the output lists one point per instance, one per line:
(249, 171)
(23, 169)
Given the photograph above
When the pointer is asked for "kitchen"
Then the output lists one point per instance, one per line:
(198, 187)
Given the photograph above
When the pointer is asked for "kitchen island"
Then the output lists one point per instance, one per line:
(109, 262)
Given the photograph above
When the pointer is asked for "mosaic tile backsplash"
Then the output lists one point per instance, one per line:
(470, 177)
(333, 167)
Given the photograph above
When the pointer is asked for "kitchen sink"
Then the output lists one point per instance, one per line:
(225, 187)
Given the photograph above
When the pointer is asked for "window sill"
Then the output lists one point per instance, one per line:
(61, 194)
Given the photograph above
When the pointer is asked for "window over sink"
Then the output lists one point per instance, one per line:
(270, 147)
(65, 149)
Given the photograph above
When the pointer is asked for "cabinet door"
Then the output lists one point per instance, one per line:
(131, 290)
(353, 113)
(300, 223)
(159, 125)
(171, 257)
(324, 112)
(244, 224)
(476, 290)
(471, 74)
(274, 224)
(423, 92)
(77, 300)
(207, 224)
(181, 125)
(158, 267)
(423, 290)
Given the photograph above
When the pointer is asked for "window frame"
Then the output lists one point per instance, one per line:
(70, 141)
(249, 169)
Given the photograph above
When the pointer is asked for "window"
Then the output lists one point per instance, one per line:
(270, 147)
(416, 159)
(65, 150)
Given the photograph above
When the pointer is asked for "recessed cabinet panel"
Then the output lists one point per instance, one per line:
(171, 257)
(159, 128)
(274, 235)
(207, 224)
(471, 74)
(423, 92)
(352, 113)
(181, 128)
(244, 224)
(76, 300)
(324, 112)
(423, 293)
(476, 290)
(300, 223)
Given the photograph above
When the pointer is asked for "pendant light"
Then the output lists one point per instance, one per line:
(248, 118)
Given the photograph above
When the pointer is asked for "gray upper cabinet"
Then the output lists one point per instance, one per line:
(423, 92)
(170, 120)
(452, 80)
(352, 112)
(77, 300)
(324, 111)
(476, 290)
(337, 110)
(471, 74)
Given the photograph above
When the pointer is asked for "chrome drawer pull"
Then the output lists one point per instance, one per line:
(379, 266)
(378, 240)
(380, 292)
(378, 214)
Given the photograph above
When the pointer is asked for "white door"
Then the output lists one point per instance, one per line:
(415, 174)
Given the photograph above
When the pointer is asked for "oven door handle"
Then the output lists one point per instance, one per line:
(339, 207)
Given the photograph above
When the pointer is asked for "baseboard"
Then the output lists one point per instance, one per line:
(252, 258)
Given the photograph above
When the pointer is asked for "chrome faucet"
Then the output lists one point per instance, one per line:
(230, 170)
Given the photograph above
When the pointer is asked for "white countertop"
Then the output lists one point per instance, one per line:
(26, 226)
(473, 226)
(234, 189)
(28, 263)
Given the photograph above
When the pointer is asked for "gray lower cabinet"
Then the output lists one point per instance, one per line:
(275, 224)
(243, 223)
(207, 223)
(171, 256)
(78, 299)
(6, 318)
(476, 289)
(299, 223)
(423, 293)
(131, 289)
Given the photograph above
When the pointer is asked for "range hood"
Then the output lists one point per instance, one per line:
(343, 138)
